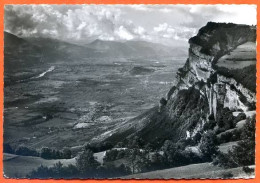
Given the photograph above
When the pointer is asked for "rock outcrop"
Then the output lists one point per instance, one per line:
(212, 42)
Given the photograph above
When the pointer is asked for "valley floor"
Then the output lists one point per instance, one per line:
(105, 93)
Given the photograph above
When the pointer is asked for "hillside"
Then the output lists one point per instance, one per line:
(20, 57)
(56, 50)
(25, 52)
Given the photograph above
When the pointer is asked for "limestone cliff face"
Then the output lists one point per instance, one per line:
(203, 88)
(213, 41)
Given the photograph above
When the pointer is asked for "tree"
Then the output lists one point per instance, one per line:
(67, 153)
(243, 154)
(25, 151)
(133, 159)
(58, 169)
(87, 164)
(121, 154)
(46, 153)
(111, 155)
(138, 160)
(177, 155)
(157, 161)
(40, 172)
(143, 162)
(207, 145)
(169, 149)
(136, 142)
(56, 154)
(149, 147)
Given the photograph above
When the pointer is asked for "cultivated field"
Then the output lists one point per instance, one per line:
(74, 102)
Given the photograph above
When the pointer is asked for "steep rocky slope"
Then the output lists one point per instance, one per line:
(205, 91)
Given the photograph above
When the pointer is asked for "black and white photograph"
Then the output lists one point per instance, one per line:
(129, 91)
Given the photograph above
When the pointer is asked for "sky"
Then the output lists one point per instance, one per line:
(166, 24)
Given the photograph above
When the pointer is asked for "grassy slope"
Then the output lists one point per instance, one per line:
(226, 146)
(191, 171)
(243, 56)
(240, 64)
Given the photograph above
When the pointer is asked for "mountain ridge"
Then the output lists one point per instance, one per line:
(136, 48)
(99, 48)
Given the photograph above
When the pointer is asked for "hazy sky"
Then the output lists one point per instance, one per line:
(84, 23)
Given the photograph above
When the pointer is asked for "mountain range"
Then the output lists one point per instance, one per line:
(96, 49)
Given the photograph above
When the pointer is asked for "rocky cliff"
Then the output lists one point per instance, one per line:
(205, 88)
(202, 73)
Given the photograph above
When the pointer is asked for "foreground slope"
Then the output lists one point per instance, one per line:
(194, 171)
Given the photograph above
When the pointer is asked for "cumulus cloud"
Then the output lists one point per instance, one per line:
(123, 33)
(84, 23)
(179, 33)
(62, 22)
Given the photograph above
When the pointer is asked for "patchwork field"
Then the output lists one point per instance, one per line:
(70, 103)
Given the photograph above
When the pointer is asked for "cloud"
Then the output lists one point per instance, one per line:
(123, 33)
(179, 33)
(141, 7)
(83, 23)
(197, 15)
(241, 14)
(63, 22)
